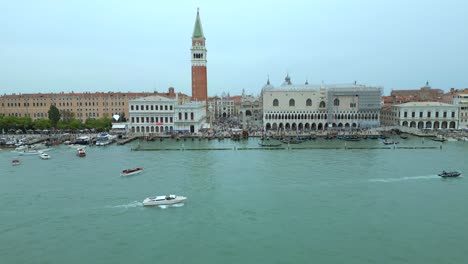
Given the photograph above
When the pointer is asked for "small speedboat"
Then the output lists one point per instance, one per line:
(130, 172)
(81, 152)
(15, 161)
(447, 174)
(44, 156)
(164, 200)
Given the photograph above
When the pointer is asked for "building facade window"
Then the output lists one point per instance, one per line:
(309, 102)
(275, 102)
(292, 102)
(336, 102)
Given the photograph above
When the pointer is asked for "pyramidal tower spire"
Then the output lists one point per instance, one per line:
(198, 59)
(198, 29)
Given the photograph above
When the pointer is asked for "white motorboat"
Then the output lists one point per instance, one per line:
(81, 152)
(44, 156)
(104, 138)
(130, 172)
(164, 200)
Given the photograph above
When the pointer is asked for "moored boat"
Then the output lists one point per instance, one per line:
(447, 174)
(270, 144)
(164, 200)
(130, 172)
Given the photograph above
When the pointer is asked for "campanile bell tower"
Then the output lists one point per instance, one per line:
(198, 52)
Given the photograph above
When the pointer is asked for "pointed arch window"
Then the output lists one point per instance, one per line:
(336, 102)
(292, 102)
(275, 102)
(309, 102)
(322, 104)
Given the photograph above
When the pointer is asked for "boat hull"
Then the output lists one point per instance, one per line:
(151, 202)
(131, 173)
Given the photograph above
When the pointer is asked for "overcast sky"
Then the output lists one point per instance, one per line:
(111, 45)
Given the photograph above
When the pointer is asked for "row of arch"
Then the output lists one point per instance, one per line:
(429, 124)
(359, 116)
(307, 126)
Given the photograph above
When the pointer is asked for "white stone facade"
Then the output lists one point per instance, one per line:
(319, 107)
(425, 115)
(157, 114)
(461, 100)
(190, 117)
(152, 114)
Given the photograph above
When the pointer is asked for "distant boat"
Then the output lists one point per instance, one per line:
(390, 142)
(439, 139)
(130, 172)
(447, 174)
(81, 152)
(83, 140)
(15, 161)
(104, 138)
(292, 141)
(403, 136)
(269, 144)
(164, 200)
(44, 156)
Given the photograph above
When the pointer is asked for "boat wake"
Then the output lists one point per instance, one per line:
(172, 205)
(129, 205)
(405, 178)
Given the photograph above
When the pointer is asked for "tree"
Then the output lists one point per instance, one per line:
(67, 116)
(54, 115)
(42, 124)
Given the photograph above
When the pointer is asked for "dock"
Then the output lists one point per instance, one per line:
(126, 140)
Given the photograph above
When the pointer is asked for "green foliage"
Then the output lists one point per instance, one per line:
(42, 124)
(75, 124)
(54, 115)
(100, 124)
(13, 122)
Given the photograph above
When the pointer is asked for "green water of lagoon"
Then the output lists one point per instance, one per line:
(313, 205)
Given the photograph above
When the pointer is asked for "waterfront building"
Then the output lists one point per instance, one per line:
(424, 115)
(222, 106)
(461, 101)
(190, 117)
(319, 107)
(152, 114)
(157, 114)
(83, 105)
(251, 111)
(199, 63)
